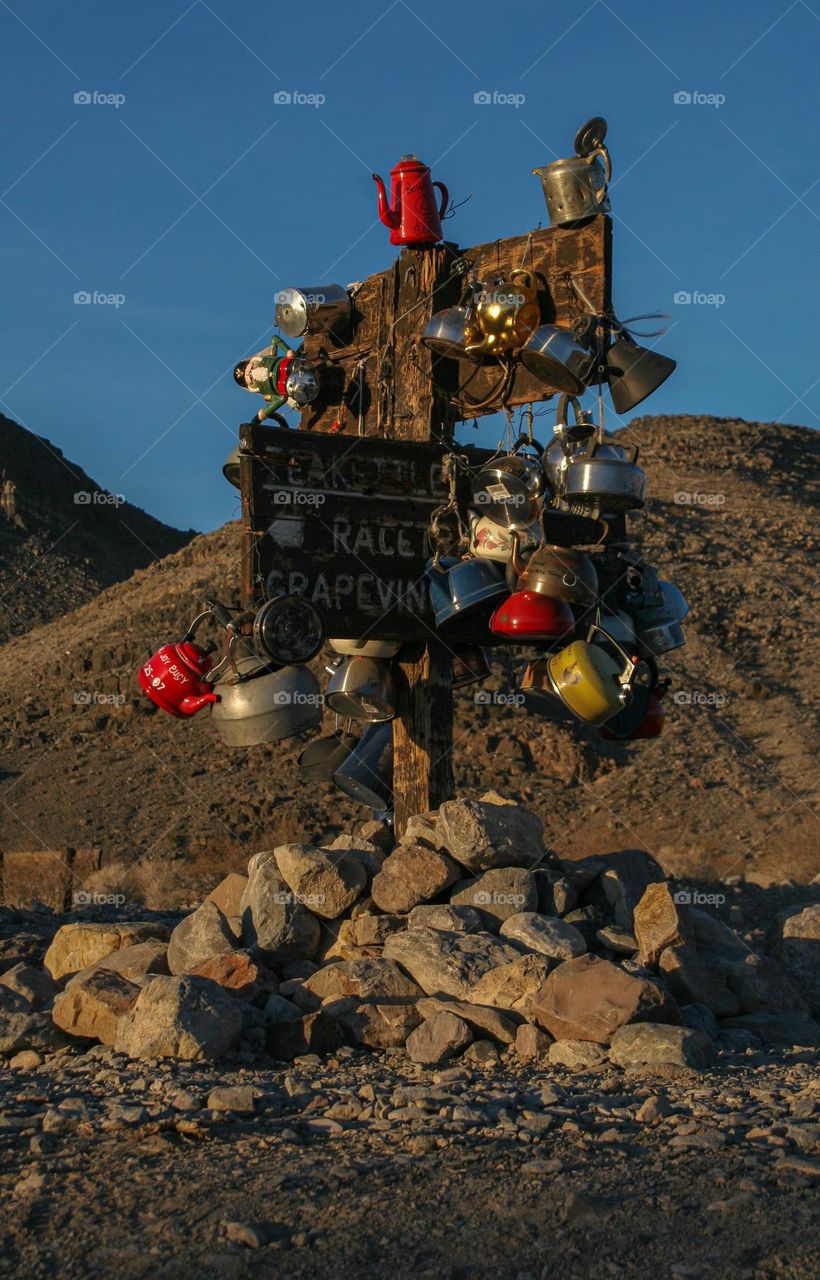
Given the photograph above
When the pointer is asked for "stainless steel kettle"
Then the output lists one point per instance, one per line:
(256, 703)
(606, 473)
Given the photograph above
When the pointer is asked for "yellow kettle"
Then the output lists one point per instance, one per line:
(589, 680)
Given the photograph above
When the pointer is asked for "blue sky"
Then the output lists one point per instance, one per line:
(184, 195)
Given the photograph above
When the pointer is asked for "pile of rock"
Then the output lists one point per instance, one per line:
(465, 939)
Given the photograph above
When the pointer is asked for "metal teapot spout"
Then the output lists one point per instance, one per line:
(390, 217)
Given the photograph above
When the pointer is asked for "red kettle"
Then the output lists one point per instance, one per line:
(412, 215)
(173, 678)
(528, 615)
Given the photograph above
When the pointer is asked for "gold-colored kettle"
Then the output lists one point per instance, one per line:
(505, 312)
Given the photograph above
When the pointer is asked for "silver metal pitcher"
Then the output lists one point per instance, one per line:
(576, 187)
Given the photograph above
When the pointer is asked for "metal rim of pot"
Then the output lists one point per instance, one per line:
(288, 630)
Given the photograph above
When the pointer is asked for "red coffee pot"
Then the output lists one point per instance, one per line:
(413, 216)
(529, 615)
(173, 679)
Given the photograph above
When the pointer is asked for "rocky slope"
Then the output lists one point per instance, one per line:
(62, 537)
(727, 789)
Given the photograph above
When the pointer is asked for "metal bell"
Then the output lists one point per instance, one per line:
(634, 372)
(362, 689)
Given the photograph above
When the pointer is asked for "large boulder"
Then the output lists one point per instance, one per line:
(693, 979)
(228, 894)
(79, 945)
(369, 853)
(21, 1029)
(325, 881)
(375, 979)
(92, 1007)
(439, 1038)
(498, 894)
(133, 963)
(442, 916)
(484, 1020)
(762, 986)
(275, 926)
(445, 963)
(547, 936)
(375, 1024)
(648, 1045)
(623, 882)
(188, 1018)
(202, 934)
(34, 986)
(589, 999)
(373, 931)
(512, 985)
(314, 1033)
(411, 874)
(236, 972)
(659, 922)
(481, 834)
(788, 1027)
(795, 942)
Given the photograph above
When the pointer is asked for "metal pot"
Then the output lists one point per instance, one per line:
(661, 637)
(569, 439)
(288, 629)
(539, 696)
(458, 588)
(362, 689)
(504, 314)
(525, 616)
(554, 355)
(444, 333)
(367, 773)
(510, 490)
(366, 648)
(590, 681)
(576, 187)
(469, 665)
(606, 473)
(558, 572)
(320, 759)
(323, 308)
(265, 705)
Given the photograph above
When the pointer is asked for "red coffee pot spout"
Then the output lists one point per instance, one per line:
(390, 217)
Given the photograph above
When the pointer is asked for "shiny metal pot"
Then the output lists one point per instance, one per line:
(321, 758)
(367, 773)
(265, 705)
(288, 629)
(444, 333)
(606, 473)
(570, 439)
(554, 355)
(559, 572)
(318, 309)
(510, 490)
(362, 689)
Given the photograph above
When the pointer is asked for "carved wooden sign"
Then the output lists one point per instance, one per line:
(343, 521)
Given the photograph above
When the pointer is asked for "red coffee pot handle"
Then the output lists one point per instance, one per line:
(445, 197)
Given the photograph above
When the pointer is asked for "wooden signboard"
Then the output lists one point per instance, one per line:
(345, 523)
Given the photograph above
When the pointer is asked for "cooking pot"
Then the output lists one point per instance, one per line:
(510, 489)
(559, 572)
(444, 333)
(288, 630)
(361, 689)
(462, 587)
(367, 773)
(661, 637)
(366, 648)
(323, 308)
(262, 704)
(505, 312)
(590, 681)
(607, 473)
(643, 718)
(569, 439)
(539, 696)
(555, 356)
(617, 626)
(469, 665)
(526, 615)
(174, 679)
(320, 759)
(492, 541)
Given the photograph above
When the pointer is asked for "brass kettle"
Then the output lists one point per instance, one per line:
(504, 313)
(559, 572)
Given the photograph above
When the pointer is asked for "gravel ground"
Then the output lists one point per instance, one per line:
(366, 1165)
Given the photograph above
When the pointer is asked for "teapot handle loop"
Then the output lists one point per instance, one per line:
(590, 159)
(445, 198)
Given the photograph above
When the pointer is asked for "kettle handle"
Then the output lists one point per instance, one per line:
(590, 160)
(517, 563)
(445, 198)
(526, 273)
(631, 664)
